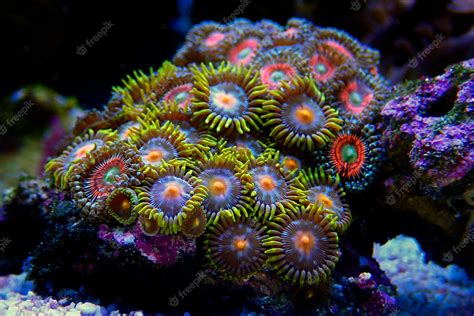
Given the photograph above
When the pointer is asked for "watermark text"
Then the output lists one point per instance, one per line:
(27, 105)
(394, 194)
(4, 242)
(356, 4)
(455, 250)
(82, 49)
(174, 300)
(413, 63)
(240, 9)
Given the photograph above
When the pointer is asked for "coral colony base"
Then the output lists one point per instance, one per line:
(195, 148)
(232, 165)
(236, 80)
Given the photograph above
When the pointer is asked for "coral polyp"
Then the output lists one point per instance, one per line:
(236, 246)
(169, 83)
(302, 246)
(348, 155)
(168, 194)
(326, 65)
(243, 52)
(274, 190)
(121, 205)
(348, 46)
(194, 225)
(245, 146)
(354, 155)
(296, 32)
(279, 64)
(325, 189)
(132, 93)
(213, 38)
(126, 129)
(290, 163)
(103, 176)
(299, 116)
(93, 120)
(227, 98)
(148, 226)
(173, 86)
(163, 112)
(60, 167)
(360, 95)
(158, 143)
(179, 95)
(197, 136)
(228, 187)
(207, 41)
(100, 173)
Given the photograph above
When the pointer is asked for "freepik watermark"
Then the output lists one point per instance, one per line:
(393, 195)
(27, 105)
(82, 49)
(240, 9)
(449, 256)
(413, 63)
(356, 4)
(4, 242)
(174, 300)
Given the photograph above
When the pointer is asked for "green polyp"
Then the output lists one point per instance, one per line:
(355, 98)
(244, 53)
(321, 68)
(277, 76)
(181, 97)
(349, 153)
(109, 176)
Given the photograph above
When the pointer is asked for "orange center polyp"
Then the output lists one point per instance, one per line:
(121, 204)
(81, 152)
(325, 200)
(228, 101)
(172, 191)
(225, 101)
(154, 156)
(305, 242)
(125, 205)
(267, 183)
(218, 187)
(240, 244)
(126, 134)
(304, 115)
(291, 164)
(196, 223)
(149, 226)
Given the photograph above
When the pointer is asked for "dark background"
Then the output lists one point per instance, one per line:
(40, 38)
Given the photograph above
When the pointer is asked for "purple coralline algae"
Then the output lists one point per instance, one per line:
(434, 118)
(163, 250)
